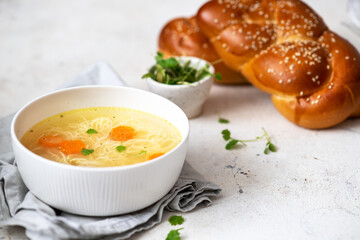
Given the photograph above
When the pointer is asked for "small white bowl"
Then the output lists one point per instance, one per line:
(191, 97)
(98, 191)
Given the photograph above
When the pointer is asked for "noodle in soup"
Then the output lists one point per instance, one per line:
(102, 137)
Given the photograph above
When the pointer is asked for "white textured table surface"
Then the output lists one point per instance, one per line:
(308, 189)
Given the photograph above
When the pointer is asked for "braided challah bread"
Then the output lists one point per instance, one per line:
(284, 48)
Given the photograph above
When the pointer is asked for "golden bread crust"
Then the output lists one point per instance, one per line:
(284, 48)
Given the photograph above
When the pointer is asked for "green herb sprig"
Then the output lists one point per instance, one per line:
(170, 71)
(232, 142)
(87, 152)
(91, 131)
(175, 234)
(223, 120)
(142, 152)
(120, 148)
(176, 220)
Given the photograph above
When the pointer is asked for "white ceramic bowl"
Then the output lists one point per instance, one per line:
(190, 98)
(98, 191)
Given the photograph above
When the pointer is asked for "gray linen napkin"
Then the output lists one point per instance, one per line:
(19, 207)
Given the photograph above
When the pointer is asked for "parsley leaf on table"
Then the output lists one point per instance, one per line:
(223, 120)
(218, 76)
(176, 220)
(269, 147)
(174, 234)
(226, 134)
(232, 142)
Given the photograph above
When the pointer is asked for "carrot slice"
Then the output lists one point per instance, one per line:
(51, 141)
(155, 155)
(72, 147)
(122, 133)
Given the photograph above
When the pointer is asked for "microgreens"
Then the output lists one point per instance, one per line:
(232, 142)
(170, 71)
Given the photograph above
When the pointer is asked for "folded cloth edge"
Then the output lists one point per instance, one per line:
(99, 74)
